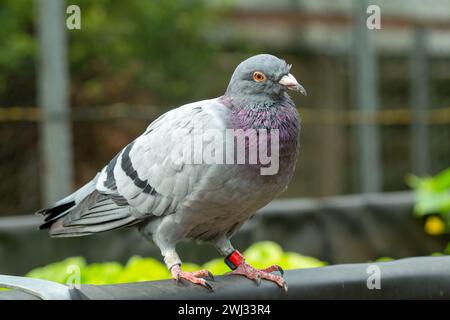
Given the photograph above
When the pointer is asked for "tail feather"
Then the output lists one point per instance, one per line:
(58, 211)
(85, 212)
(63, 206)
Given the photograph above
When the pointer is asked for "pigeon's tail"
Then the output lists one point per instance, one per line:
(85, 212)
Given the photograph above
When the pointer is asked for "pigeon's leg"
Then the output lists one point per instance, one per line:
(173, 262)
(236, 262)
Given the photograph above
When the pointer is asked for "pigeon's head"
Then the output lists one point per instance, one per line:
(263, 76)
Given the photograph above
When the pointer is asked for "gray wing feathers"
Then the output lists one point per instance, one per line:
(147, 178)
(150, 173)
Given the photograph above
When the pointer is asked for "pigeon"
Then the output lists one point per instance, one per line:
(152, 185)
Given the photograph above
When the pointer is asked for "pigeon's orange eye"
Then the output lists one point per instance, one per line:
(258, 76)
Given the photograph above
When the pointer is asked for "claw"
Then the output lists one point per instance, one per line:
(280, 269)
(258, 280)
(208, 286)
(285, 287)
(210, 276)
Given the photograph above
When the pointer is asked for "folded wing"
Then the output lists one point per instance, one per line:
(149, 177)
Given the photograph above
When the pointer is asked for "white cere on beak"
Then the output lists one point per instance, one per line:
(291, 83)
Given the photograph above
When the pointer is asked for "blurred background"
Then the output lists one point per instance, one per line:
(378, 105)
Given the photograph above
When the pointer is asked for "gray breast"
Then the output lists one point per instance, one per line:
(232, 195)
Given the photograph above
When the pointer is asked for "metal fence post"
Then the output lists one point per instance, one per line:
(55, 131)
(366, 99)
(419, 73)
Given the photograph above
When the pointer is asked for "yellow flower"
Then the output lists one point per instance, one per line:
(434, 226)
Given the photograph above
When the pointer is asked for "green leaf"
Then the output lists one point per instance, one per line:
(292, 260)
(143, 269)
(216, 266)
(432, 194)
(263, 254)
(102, 273)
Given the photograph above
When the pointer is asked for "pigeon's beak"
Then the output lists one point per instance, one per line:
(291, 83)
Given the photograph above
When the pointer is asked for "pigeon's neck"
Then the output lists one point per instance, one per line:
(280, 115)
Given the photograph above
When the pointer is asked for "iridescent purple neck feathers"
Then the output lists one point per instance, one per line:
(281, 115)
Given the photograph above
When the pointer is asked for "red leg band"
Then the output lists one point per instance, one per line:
(234, 259)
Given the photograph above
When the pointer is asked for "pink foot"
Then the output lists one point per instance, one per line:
(248, 271)
(193, 277)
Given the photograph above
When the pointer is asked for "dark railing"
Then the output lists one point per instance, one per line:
(411, 278)
(338, 230)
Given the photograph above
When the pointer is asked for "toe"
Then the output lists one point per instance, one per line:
(204, 274)
(277, 279)
(208, 286)
(193, 277)
(273, 268)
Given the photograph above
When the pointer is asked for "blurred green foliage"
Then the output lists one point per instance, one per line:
(433, 198)
(151, 49)
(385, 259)
(18, 52)
(259, 255)
(134, 51)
